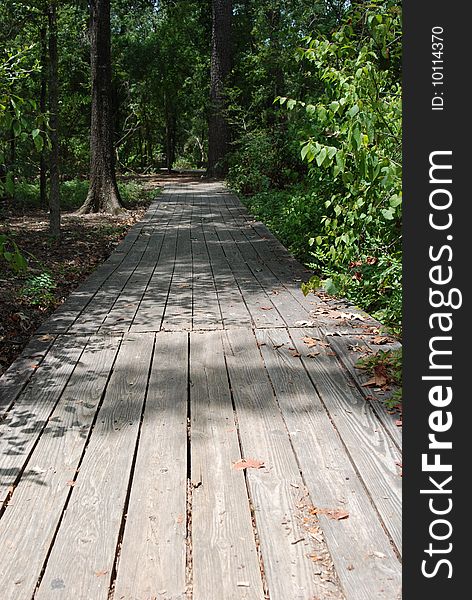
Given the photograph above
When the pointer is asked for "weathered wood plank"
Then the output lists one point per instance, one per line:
(362, 553)
(277, 489)
(20, 372)
(342, 346)
(232, 304)
(153, 303)
(30, 520)
(28, 417)
(258, 302)
(82, 557)
(206, 307)
(225, 561)
(153, 550)
(371, 449)
(178, 310)
(123, 312)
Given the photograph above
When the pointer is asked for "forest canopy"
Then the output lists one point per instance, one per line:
(296, 102)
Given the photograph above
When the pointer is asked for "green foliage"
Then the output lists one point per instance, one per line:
(12, 255)
(74, 192)
(390, 364)
(39, 291)
(291, 215)
(22, 127)
(352, 144)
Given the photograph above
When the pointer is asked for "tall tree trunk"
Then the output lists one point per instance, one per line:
(43, 193)
(218, 128)
(103, 194)
(171, 122)
(54, 200)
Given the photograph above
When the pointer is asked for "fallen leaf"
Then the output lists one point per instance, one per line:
(71, 483)
(380, 339)
(309, 341)
(379, 378)
(336, 515)
(180, 518)
(304, 323)
(399, 423)
(248, 463)
(266, 307)
(100, 573)
(312, 354)
(332, 513)
(294, 353)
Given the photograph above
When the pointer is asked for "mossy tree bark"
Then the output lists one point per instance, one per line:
(103, 194)
(218, 127)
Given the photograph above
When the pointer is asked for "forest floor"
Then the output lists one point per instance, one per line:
(86, 242)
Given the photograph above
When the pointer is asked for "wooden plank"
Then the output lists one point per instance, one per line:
(82, 558)
(372, 450)
(225, 561)
(343, 345)
(178, 310)
(259, 304)
(286, 304)
(232, 304)
(20, 372)
(153, 550)
(31, 517)
(363, 556)
(29, 415)
(276, 490)
(97, 309)
(123, 312)
(152, 306)
(206, 307)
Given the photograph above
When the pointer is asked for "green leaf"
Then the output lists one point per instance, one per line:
(352, 112)
(387, 213)
(334, 106)
(291, 103)
(321, 156)
(39, 143)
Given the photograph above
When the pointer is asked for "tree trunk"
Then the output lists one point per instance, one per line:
(170, 138)
(103, 194)
(43, 193)
(218, 128)
(54, 200)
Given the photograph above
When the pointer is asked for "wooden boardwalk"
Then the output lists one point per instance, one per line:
(123, 422)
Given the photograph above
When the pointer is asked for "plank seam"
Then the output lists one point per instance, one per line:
(84, 450)
(122, 527)
(351, 459)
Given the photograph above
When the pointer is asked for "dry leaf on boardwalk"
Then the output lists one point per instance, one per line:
(266, 307)
(248, 463)
(379, 379)
(332, 513)
(381, 339)
(309, 341)
(294, 353)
